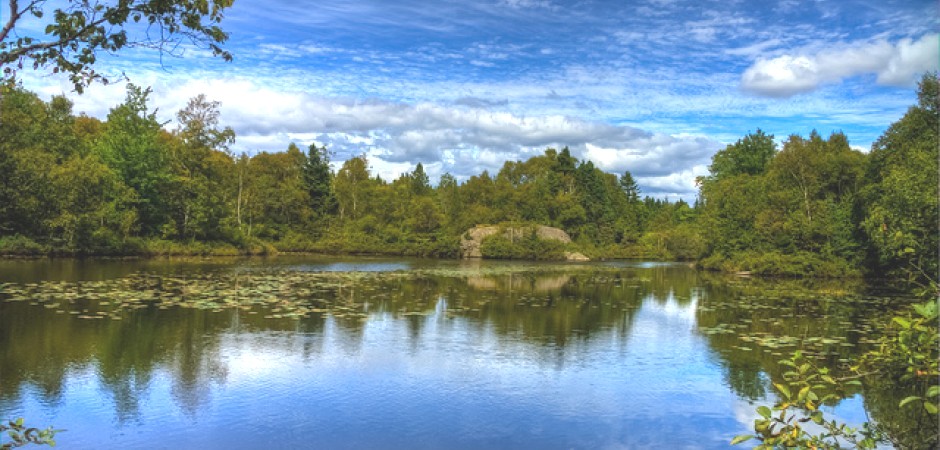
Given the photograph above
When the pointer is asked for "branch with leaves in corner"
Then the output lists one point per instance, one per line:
(72, 35)
(21, 435)
(908, 357)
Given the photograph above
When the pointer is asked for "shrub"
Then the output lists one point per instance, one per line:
(528, 247)
(21, 246)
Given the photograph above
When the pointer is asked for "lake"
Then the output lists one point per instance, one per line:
(316, 352)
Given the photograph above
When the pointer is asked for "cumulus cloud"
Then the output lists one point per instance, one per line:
(895, 64)
(462, 138)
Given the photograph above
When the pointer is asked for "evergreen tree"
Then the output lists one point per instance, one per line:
(420, 183)
(629, 187)
(318, 181)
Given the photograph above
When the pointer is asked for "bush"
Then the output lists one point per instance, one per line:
(528, 247)
(684, 243)
(778, 264)
(162, 247)
(21, 246)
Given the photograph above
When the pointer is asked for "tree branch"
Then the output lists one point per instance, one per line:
(14, 16)
(21, 51)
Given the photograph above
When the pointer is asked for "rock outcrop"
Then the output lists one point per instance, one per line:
(576, 256)
(472, 239)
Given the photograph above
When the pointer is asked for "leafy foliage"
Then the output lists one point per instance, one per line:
(521, 243)
(901, 211)
(819, 208)
(748, 156)
(909, 358)
(21, 435)
(74, 33)
(128, 185)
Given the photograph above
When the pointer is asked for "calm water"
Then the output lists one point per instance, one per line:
(382, 353)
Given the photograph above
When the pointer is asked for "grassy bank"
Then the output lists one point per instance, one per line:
(657, 247)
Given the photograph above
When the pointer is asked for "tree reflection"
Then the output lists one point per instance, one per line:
(40, 346)
(554, 315)
(752, 324)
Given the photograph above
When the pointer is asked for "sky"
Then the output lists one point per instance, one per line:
(654, 87)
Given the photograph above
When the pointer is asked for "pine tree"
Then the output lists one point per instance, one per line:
(319, 181)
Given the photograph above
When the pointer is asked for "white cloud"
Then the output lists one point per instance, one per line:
(467, 87)
(527, 3)
(910, 60)
(463, 139)
(897, 64)
(754, 50)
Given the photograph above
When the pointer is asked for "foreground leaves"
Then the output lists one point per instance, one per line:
(21, 435)
(911, 356)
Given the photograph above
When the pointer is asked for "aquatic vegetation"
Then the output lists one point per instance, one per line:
(278, 293)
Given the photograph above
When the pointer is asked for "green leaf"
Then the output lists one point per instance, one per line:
(927, 310)
(908, 400)
(930, 407)
(817, 417)
(902, 322)
(783, 390)
(742, 438)
(933, 391)
(802, 394)
(764, 412)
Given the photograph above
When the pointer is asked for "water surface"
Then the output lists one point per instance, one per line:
(304, 352)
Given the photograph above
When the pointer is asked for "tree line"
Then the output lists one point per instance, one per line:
(129, 184)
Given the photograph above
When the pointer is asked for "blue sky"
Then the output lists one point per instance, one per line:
(654, 87)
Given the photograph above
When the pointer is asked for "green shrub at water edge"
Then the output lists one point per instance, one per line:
(528, 247)
(21, 246)
(907, 359)
(780, 264)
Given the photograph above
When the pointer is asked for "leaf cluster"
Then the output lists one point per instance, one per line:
(21, 435)
(910, 357)
(75, 33)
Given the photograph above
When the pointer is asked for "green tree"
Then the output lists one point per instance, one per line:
(350, 186)
(93, 209)
(565, 165)
(420, 183)
(25, 162)
(728, 216)
(448, 196)
(901, 212)
(594, 194)
(131, 145)
(749, 155)
(199, 125)
(318, 180)
(202, 171)
(73, 32)
(629, 187)
(279, 196)
(814, 184)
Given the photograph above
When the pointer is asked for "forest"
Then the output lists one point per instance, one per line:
(131, 185)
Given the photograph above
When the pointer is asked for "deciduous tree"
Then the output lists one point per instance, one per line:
(75, 31)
